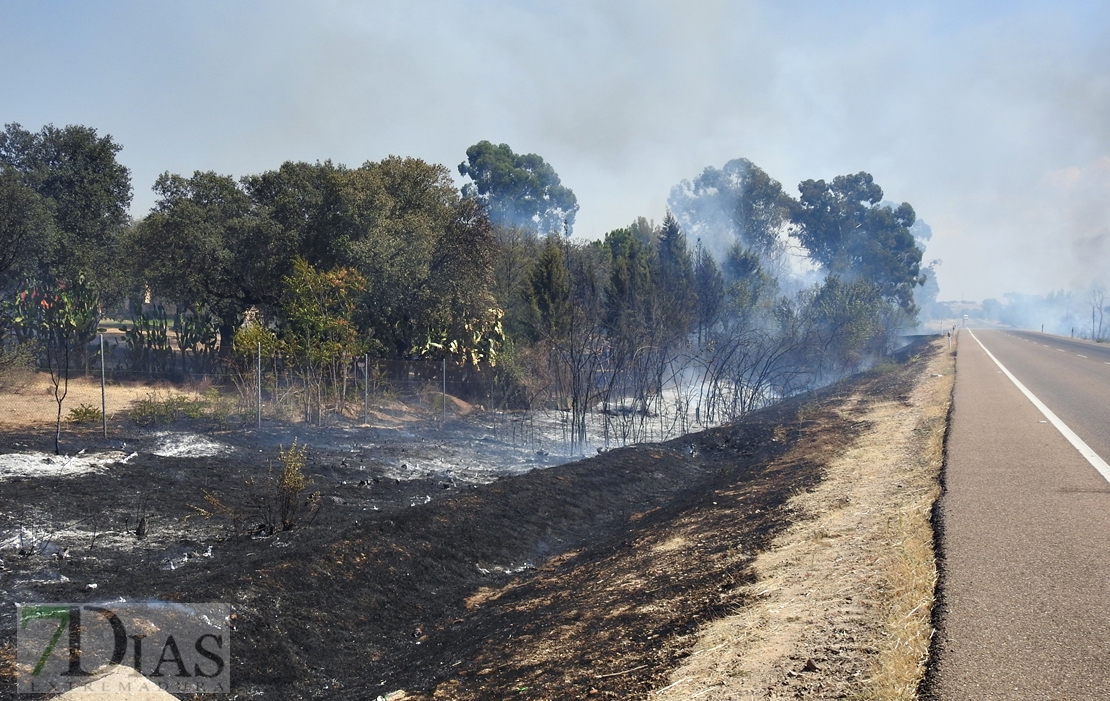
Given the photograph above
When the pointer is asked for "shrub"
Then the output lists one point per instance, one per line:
(152, 410)
(17, 365)
(217, 406)
(279, 501)
(291, 484)
(85, 414)
(156, 409)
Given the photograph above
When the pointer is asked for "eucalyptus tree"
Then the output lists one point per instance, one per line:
(518, 189)
(738, 202)
(846, 229)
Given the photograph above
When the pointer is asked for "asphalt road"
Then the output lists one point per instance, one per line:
(1024, 525)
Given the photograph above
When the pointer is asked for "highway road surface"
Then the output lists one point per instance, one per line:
(1024, 523)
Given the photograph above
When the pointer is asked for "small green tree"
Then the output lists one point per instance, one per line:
(849, 323)
(318, 333)
(291, 483)
(709, 285)
(549, 294)
(59, 318)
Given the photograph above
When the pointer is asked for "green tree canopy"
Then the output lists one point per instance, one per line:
(83, 188)
(549, 294)
(396, 214)
(202, 245)
(302, 208)
(738, 201)
(518, 189)
(845, 229)
(26, 226)
(629, 292)
(673, 278)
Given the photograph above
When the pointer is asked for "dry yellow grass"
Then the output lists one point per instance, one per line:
(842, 604)
(912, 571)
(27, 401)
(30, 401)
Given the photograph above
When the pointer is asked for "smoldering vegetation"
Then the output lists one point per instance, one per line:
(772, 296)
(307, 276)
(1080, 313)
(318, 291)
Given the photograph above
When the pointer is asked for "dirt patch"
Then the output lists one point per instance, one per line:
(590, 579)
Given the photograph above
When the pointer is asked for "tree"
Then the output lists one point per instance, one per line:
(463, 319)
(673, 279)
(709, 286)
(518, 189)
(849, 323)
(62, 319)
(202, 244)
(304, 211)
(925, 296)
(629, 283)
(628, 318)
(848, 232)
(318, 333)
(26, 226)
(515, 248)
(549, 294)
(750, 288)
(737, 202)
(85, 190)
(394, 218)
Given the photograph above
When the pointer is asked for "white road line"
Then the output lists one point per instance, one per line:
(1059, 349)
(1081, 355)
(1085, 450)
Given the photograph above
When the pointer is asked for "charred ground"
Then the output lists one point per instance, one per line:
(584, 579)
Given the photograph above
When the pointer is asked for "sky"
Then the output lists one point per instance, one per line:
(991, 118)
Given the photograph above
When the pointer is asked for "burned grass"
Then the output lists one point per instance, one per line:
(589, 579)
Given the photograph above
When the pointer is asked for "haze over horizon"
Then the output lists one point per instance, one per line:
(992, 121)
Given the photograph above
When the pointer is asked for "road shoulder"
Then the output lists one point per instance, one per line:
(841, 604)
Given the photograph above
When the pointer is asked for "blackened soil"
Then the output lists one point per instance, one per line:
(587, 579)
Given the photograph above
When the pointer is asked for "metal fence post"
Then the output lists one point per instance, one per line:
(444, 393)
(366, 390)
(260, 384)
(103, 399)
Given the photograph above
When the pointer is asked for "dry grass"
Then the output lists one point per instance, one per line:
(27, 401)
(842, 603)
(30, 402)
(912, 571)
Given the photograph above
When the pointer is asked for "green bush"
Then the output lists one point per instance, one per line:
(85, 414)
(155, 409)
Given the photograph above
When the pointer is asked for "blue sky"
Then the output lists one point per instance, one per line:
(992, 119)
